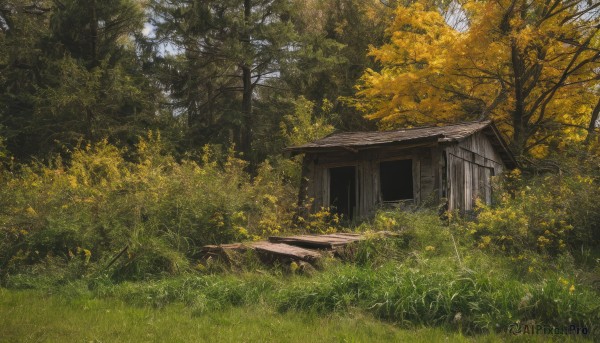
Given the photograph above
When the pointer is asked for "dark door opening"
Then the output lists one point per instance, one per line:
(342, 190)
(396, 180)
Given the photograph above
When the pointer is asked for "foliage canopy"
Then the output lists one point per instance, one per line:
(532, 66)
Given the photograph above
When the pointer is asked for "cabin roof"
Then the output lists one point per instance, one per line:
(440, 134)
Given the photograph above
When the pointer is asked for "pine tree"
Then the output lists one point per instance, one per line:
(85, 77)
(224, 50)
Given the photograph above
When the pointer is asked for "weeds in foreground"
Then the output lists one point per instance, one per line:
(418, 277)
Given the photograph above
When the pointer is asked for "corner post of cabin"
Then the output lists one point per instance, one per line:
(416, 178)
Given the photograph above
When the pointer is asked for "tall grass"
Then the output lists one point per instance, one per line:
(30, 316)
(202, 293)
(467, 300)
(425, 275)
(413, 294)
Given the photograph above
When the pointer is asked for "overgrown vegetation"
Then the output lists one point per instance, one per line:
(132, 133)
(430, 274)
(549, 214)
(113, 223)
(32, 316)
(84, 211)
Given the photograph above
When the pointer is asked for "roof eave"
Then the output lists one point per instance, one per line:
(356, 147)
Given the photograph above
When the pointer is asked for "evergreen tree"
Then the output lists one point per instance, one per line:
(336, 36)
(22, 27)
(85, 80)
(225, 50)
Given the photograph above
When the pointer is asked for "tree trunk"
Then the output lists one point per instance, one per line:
(210, 104)
(245, 137)
(246, 130)
(89, 120)
(94, 34)
(519, 118)
(592, 124)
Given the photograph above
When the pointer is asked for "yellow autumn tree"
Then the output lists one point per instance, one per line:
(531, 65)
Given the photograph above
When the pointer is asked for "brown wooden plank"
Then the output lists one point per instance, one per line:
(285, 250)
(319, 242)
(416, 168)
(343, 235)
(348, 238)
(318, 188)
(277, 250)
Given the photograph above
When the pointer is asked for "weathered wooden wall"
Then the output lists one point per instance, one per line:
(459, 171)
(470, 165)
(316, 171)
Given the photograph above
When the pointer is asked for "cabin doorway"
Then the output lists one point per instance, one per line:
(396, 180)
(342, 191)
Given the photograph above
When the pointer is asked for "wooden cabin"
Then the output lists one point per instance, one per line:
(355, 172)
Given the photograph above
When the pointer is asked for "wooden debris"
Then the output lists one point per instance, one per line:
(318, 241)
(275, 250)
(285, 250)
(304, 248)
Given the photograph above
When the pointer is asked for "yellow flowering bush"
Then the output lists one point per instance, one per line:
(538, 214)
(104, 199)
(323, 221)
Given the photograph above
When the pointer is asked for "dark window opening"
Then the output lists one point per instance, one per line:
(396, 180)
(342, 190)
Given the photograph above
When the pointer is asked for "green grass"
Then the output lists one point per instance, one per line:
(344, 300)
(410, 288)
(34, 316)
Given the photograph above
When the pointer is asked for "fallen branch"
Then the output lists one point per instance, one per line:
(116, 257)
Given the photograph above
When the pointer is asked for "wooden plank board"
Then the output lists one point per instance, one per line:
(300, 247)
(276, 250)
(316, 241)
(285, 250)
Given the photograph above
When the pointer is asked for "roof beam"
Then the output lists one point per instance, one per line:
(352, 150)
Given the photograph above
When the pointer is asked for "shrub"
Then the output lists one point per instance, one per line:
(544, 214)
(162, 209)
(419, 230)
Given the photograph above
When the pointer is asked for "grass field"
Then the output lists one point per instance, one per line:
(416, 287)
(34, 316)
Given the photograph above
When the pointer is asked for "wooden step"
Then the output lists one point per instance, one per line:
(285, 250)
(275, 250)
(317, 241)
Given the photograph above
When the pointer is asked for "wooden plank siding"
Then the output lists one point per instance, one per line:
(455, 162)
(471, 164)
(368, 192)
